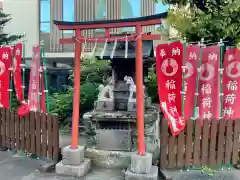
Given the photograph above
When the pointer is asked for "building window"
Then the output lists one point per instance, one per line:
(100, 11)
(45, 16)
(68, 12)
(130, 9)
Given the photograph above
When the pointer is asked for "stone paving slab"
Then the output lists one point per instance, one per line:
(26, 168)
(232, 174)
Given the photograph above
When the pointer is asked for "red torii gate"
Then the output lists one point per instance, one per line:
(107, 24)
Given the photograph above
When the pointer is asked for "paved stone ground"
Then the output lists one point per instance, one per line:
(26, 168)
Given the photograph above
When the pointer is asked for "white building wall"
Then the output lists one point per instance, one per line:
(25, 20)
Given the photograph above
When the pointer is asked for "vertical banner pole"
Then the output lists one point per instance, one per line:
(221, 77)
(45, 80)
(23, 65)
(40, 79)
(183, 75)
(11, 77)
(197, 82)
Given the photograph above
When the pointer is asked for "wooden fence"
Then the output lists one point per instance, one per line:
(208, 143)
(36, 133)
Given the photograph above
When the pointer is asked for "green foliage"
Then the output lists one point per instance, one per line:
(5, 38)
(152, 85)
(93, 73)
(215, 20)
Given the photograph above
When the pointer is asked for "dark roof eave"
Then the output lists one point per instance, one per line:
(144, 18)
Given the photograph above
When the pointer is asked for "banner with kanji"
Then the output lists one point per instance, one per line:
(191, 66)
(209, 83)
(34, 80)
(5, 65)
(231, 82)
(169, 58)
(17, 73)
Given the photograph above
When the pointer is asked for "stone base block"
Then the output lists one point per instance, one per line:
(141, 164)
(105, 105)
(70, 170)
(73, 156)
(152, 175)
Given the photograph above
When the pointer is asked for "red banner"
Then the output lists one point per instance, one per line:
(17, 76)
(231, 81)
(5, 64)
(34, 80)
(209, 83)
(192, 60)
(169, 59)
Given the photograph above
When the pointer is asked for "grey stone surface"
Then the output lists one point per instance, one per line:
(114, 139)
(25, 168)
(72, 156)
(74, 170)
(151, 175)
(232, 174)
(109, 159)
(141, 164)
(48, 167)
(105, 105)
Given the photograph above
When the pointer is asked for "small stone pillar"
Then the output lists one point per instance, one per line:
(141, 168)
(73, 162)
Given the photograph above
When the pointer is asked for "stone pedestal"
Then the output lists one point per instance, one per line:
(73, 162)
(141, 168)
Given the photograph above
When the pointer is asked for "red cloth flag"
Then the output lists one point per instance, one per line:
(209, 83)
(5, 64)
(231, 82)
(34, 80)
(192, 60)
(169, 59)
(17, 76)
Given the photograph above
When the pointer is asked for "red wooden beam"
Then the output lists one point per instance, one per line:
(111, 39)
(110, 25)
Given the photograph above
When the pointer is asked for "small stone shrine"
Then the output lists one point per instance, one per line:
(113, 119)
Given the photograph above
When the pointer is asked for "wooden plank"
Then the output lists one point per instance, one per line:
(164, 143)
(38, 134)
(55, 138)
(229, 142)
(236, 142)
(22, 133)
(221, 141)
(213, 142)
(180, 149)
(27, 133)
(189, 147)
(32, 132)
(12, 130)
(197, 139)
(172, 145)
(8, 129)
(49, 136)
(17, 121)
(3, 119)
(205, 135)
(44, 135)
